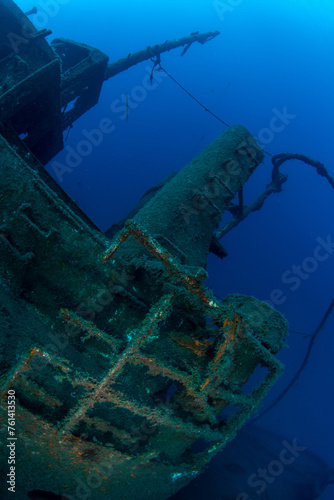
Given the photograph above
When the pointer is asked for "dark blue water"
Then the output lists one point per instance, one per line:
(272, 57)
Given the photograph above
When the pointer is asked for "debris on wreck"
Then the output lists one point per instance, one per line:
(119, 357)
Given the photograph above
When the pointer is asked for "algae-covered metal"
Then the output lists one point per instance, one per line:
(126, 360)
(128, 374)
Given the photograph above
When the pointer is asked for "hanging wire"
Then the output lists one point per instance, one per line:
(194, 98)
(303, 365)
(198, 102)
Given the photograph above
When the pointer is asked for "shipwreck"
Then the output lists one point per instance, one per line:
(128, 374)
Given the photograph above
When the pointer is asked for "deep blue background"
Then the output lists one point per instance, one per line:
(270, 54)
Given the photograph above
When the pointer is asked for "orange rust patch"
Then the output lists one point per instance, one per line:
(194, 345)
